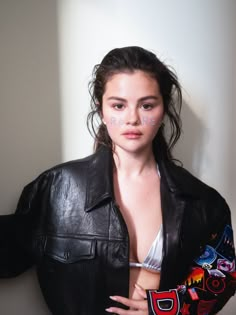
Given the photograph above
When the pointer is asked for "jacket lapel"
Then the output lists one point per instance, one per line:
(178, 186)
(99, 178)
(172, 213)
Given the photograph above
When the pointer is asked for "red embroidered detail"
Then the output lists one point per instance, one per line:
(165, 302)
(215, 285)
(233, 274)
(185, 309)
(195, 278)
(193, 294)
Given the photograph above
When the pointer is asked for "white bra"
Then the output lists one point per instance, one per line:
(154, 257)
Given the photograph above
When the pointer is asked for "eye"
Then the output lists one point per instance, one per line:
(147, 106)
(118, 106)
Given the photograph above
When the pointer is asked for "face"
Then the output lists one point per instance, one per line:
(132, 109)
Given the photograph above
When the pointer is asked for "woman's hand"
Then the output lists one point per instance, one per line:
(137, 307)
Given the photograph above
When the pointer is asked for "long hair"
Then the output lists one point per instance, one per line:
(129, 59)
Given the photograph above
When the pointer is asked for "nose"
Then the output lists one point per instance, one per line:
(133, 117)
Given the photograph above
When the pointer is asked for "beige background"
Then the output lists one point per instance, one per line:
(47, 51)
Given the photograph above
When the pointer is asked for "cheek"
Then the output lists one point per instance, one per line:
(153, 121)
(112, 131)
(114, 124)
(108, 115)
(113, 120)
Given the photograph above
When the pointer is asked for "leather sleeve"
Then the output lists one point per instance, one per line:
(16, 231)
(212, 280)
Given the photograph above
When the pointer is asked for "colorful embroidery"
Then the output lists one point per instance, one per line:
(165, 302)
(193, 294)
(212, 275)
(185, 309)
(225, 265)
(215, 285)
(225, 247)
(195, 278)
(208, 257)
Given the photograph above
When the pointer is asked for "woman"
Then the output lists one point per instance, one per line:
(125, 230)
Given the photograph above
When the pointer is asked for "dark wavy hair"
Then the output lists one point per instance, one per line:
(129, 59)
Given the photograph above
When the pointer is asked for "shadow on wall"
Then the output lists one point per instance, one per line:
(189, 148)
(232, 133)
(192, 140)
(30, 122)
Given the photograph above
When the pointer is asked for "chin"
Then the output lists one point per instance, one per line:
(132, 147)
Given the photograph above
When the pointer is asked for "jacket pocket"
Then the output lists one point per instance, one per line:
(69, 250)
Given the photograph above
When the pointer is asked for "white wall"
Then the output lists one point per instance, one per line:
(48, 49)
(30, 120)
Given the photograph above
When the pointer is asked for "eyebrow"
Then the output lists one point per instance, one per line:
(139, 100)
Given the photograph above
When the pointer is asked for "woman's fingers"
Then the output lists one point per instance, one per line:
(128, 302)
(121, 311)
(137, 307)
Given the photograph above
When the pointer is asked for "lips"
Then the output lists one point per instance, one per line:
(132, 132)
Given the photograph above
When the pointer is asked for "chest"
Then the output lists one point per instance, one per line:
(140, 205)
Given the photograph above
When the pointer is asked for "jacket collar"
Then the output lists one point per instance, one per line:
(100, 179)
(180, 181)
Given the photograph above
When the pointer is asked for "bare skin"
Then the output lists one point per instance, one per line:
(142, 215)
(140, 206)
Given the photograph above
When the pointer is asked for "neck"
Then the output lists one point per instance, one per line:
(134, 164)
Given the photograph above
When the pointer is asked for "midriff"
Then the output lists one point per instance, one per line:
(144, 278)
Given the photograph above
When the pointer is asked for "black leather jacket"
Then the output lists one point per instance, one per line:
(68, 224)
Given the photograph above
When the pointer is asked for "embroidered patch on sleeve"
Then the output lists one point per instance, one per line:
(225, 247)
(165, 302)
(208, 257)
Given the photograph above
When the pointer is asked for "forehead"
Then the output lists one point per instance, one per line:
(126, 83)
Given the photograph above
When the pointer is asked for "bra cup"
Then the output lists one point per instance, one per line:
(154, 257)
